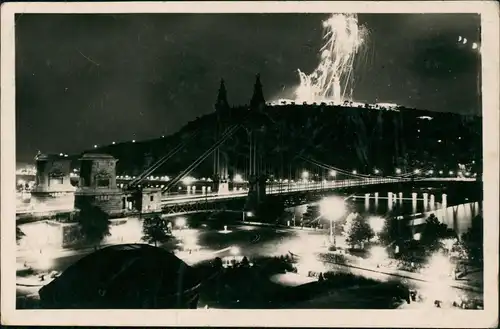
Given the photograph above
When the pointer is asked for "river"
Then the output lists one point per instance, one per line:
(412, 209)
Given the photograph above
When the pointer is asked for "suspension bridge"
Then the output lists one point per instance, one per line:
(99, 186)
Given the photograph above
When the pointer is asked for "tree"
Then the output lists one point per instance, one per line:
(155, 230)
(472, 240)
(394, 232)
(19, 234)
(434, 232)
(357, 231)
(245, 262)
(390, 231)
(217, 263)
(94, 224)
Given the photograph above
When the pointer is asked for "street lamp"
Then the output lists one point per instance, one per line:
(237, 178)
(188, 180)
(332, 209)
(378, 254)
(235, 251)
(333, 173)
(376, 171)
(448, 244)
(439, 266)
(376, 223)
(180, 222)
(417, 171)
(305, 174)
(398, 171)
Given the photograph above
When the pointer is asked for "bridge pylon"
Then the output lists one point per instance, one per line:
(256, 198)
(220, 166)
(256, 194)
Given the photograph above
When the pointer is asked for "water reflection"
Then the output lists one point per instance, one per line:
(415, 208)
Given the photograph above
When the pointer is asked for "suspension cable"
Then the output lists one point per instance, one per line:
(162, 160)
(227, 134)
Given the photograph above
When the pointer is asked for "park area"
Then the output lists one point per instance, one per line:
(268, 266)
(272, 283)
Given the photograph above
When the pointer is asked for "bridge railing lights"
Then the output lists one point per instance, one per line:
(188, 180)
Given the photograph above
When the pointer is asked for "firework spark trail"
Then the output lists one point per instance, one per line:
(344, 38)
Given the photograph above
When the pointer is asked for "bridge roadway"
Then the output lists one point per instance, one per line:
(295, 187)
(288, 188)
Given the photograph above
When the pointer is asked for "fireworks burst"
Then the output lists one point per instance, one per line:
(344, 38)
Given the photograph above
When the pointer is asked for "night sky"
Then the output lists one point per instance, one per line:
(92, 79)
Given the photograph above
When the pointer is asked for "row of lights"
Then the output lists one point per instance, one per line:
(463, 40)
(114, 143)
(439, 140)
(163, 136)
(398, 171)
(305, 175)
(189, 180)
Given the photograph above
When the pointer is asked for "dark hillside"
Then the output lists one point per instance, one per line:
(346, 137)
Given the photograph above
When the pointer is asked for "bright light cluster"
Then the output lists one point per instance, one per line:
(329, 81)
(464, 41)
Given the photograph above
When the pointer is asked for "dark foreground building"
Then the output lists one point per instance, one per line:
(126, 276)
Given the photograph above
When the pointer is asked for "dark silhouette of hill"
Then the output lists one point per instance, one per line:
(346, 137)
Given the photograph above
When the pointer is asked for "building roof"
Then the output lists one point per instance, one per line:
(97, 156)
(46, 157)
(124, 276)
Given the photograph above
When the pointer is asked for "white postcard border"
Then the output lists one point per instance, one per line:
(283, 318)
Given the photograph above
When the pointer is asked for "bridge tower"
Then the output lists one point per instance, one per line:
(53, 189)
(97, 186)
(221, 163)
(256, 178)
